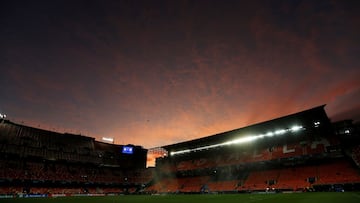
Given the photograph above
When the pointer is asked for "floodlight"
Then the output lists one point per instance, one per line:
(180, 152)
(245, 139)
(279, 132)
(316, 124)
(108, 139)
(296, 128)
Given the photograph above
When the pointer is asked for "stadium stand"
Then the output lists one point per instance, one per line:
(356, 155)
(298, 152)
(292, 153)
(40, 161)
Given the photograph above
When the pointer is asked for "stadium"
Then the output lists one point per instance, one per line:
(295, 155)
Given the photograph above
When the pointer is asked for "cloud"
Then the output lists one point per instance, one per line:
(146, 77)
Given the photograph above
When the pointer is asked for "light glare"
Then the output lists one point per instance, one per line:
(280, 132)
(108, 139)
(241, 140)
(296, 128)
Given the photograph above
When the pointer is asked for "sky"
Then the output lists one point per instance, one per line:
(154, 73)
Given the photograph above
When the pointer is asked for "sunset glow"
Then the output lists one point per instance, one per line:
(153, 73)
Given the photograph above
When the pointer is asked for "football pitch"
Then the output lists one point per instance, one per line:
(348, 197)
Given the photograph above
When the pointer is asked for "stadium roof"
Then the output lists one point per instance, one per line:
(303, 118)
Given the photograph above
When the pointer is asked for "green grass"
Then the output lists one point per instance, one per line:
(348, 197)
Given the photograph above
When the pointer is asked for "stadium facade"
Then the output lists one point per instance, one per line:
(303, 151)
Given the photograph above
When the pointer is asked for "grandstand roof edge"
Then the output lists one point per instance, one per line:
(119, 145)
(49, 131)
(218, 135)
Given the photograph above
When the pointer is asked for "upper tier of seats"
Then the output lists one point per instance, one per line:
(299, 149)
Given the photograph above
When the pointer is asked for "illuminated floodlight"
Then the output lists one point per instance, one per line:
(280, 132)
(296, 128)
(2, 116)
(243, 139)
(269, 134)
(180, 152)
(260, 135)
(108, 139)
